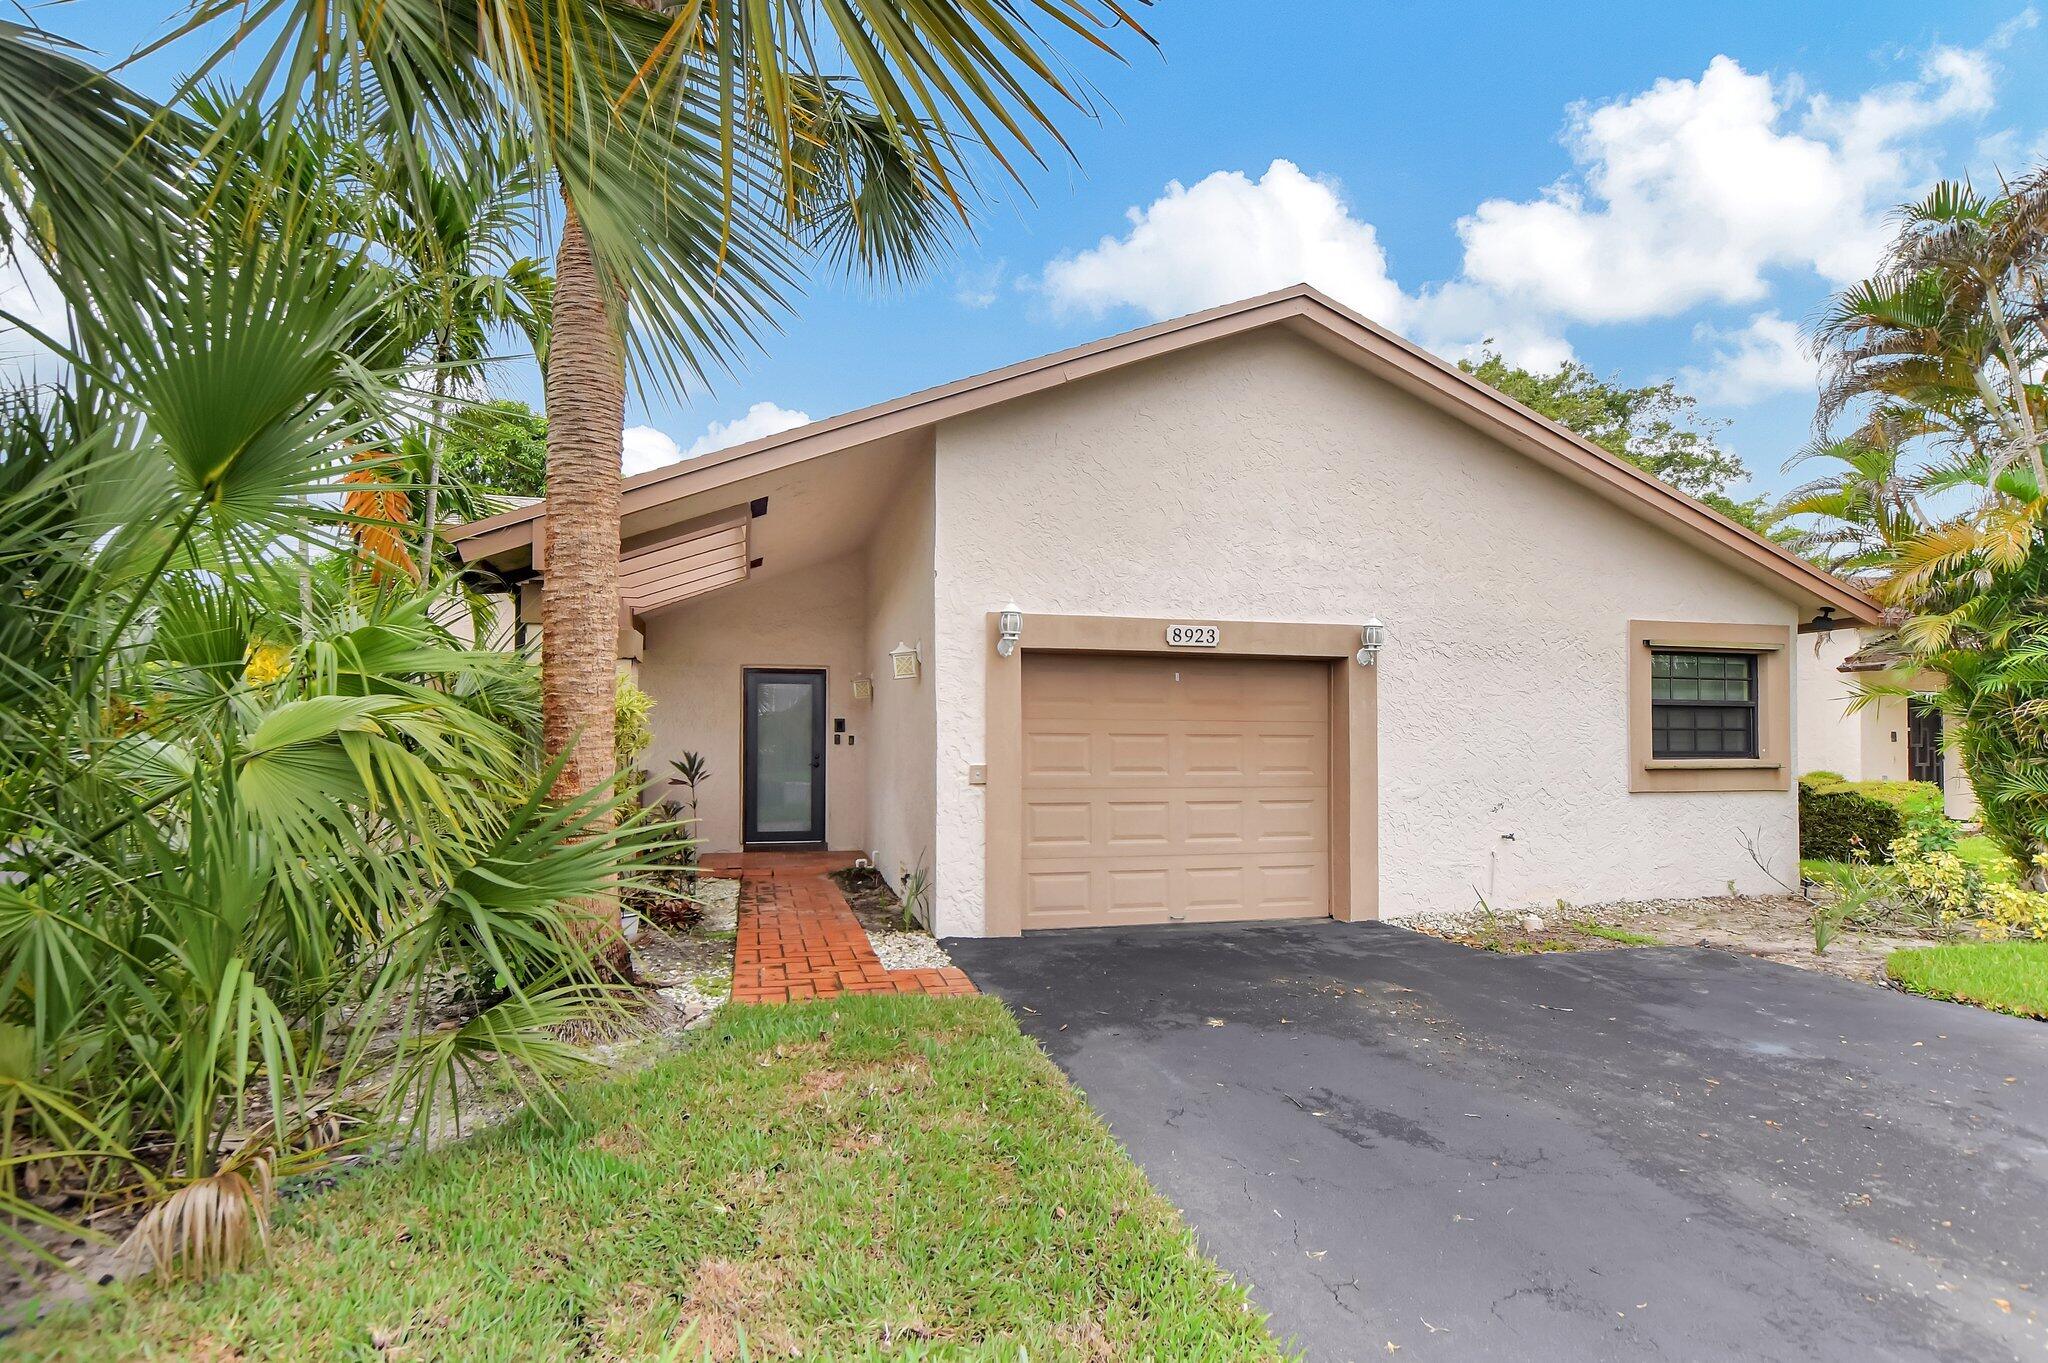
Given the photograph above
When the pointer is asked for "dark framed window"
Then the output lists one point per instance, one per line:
(1702, 705)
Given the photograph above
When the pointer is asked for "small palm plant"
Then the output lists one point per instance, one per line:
(691, 773)
(276, 857)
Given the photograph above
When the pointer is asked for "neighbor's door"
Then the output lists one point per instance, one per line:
(785, 757)
(1923, 742)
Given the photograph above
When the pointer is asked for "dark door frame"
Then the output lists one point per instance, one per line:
(750, 834)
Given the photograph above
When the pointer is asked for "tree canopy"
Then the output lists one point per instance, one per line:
(1654, 426)
(497, 447)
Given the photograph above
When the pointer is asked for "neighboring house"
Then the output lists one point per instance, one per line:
(1585, 689)
(1889, 739)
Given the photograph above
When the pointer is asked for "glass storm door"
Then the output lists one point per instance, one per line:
(785, 756)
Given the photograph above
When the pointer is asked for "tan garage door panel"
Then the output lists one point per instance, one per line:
(1174, 789)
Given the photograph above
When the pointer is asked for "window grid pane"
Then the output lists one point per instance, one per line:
(1703, 705)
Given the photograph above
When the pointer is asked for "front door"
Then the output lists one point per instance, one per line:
(1923, 742)
(785, 757)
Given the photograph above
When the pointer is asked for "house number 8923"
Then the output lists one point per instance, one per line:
(1193, 636)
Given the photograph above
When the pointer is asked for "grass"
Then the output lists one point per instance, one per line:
(866, 1178)
(1614, 934)
(1976, 849)
(1981, 851)
(2006, 977)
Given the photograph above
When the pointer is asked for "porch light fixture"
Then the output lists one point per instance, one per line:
(904, 659)
(1371, 638)
(1011, 623)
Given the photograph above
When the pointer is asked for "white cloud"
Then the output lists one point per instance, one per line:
(761, 419)
(647, 448)
(1693, 190)
(979, 287)
(1460, 320)
(1689, 192)
(1763, 358)
(1230, 237)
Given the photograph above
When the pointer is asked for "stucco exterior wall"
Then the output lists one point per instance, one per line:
(1263, 479)
(903, 721)
(1958, 797)
(1829, 737)
(693, 663)
(1887, 755)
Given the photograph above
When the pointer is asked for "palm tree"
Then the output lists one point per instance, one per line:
(1953, 328)
(253, 827)
(1854, 516)
(701, 150)
(1943, 354)
(458, 235)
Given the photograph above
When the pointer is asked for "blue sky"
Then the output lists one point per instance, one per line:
(1661, 192)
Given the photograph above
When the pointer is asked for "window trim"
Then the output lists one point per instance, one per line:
(1770, 768)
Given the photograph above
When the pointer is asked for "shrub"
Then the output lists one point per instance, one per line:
(631, 733)
(1909, 797)
(1841, 823)
(2012, 911)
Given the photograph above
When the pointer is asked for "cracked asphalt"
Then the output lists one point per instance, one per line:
(1658, 1153)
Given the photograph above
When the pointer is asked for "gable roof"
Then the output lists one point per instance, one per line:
(1302, 310)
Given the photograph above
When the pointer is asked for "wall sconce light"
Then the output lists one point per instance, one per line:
(1823, 624)
(904, 658)
(863, 687)
(1011, 623)
(1371, 639)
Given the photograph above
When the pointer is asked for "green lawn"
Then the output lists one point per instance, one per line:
(1982, 851)
(868, 1178)
(1977, 849)
(2008, 977)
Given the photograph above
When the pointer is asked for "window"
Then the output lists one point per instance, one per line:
(1702, 705)
(1709, 706)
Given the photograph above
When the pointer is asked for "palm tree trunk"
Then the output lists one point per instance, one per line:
(429, 521)
(579, 610)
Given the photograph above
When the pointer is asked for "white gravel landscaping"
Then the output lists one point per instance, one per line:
(908, 950)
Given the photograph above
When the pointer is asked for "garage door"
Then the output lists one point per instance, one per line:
(1174, 789)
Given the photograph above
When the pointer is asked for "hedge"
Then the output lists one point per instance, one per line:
(1837, 819)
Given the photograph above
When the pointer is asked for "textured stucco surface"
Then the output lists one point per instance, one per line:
(1263, 479)
(903, 729)
(1829, 737)
(694, 663)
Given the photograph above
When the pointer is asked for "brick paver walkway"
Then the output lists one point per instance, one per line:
(799, 940)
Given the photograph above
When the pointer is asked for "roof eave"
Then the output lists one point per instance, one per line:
(1302, 307)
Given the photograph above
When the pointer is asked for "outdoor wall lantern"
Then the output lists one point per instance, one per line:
(863, 687)
(904, 659)
(1370, 639)
(1823, 624)
(1011, 623)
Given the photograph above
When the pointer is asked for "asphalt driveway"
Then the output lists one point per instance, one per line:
(1654, 1153)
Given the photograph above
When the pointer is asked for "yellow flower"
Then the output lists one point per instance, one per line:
(266, 663)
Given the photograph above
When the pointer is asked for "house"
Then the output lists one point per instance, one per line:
(1257, 613)
(1892, 738)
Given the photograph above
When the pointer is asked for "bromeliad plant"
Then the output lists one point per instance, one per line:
(277, 869)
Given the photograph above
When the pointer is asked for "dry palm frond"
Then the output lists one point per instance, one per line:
(379, 512)
(208, 1227)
